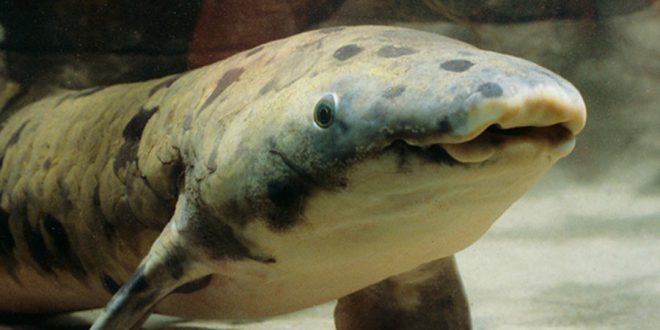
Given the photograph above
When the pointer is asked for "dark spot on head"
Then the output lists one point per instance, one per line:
(393, 51)
(17, 134)
(347, 52)
(287, 196)
(490, 89)
(456, 65)
(110, 284)
(269, 86)
(331, 29)
(47, 164)
(443, 125)
(195, 285)
(7, 242)
(132, 134)
(137, 283)
(253, 51)
(163, 84)
(64, 256)
(176, 261)
(227, 79)
(36, 246)
(392, 92)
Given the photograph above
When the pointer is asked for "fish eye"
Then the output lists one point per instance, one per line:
(324, 112)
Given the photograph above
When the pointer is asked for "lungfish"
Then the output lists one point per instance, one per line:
(345, 163)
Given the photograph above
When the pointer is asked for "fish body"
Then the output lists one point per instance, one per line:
(298, 172)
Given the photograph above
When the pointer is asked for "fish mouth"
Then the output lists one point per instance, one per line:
(541, 123)
(557, 140)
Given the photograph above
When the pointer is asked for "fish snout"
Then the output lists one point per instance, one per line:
(543, 119)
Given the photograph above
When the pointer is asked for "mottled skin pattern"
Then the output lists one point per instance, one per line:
(285, 176)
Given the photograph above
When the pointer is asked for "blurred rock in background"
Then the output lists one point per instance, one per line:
(227, 27)
(79, 44)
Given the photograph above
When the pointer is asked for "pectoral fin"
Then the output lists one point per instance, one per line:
(429, 297)
(170, 265)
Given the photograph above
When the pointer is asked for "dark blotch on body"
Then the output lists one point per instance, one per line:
(137, 283)
(456, 65)
(132, 134)
(135, 127)
(347, 52)
(195, 285)
(7, 242)
(110, 284)
(227, 79)
(65, 256)
(393, 92)
(176, 261)
(221, 242)
(393, 51)
(490, 89)
(37, 246)
(108, 230)
(232, 210)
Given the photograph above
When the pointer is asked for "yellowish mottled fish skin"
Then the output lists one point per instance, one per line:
(271, 181)
(73, 198)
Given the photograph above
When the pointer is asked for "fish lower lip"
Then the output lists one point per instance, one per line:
(485, 145)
